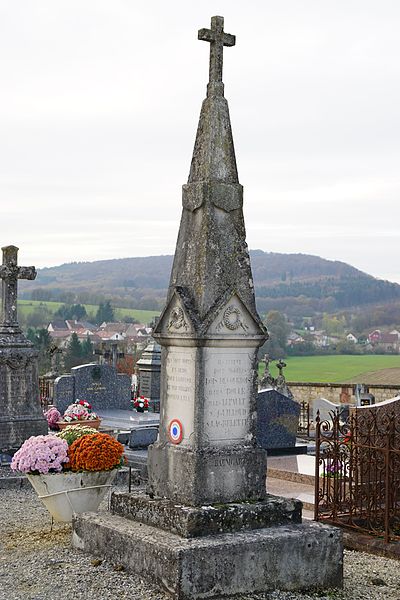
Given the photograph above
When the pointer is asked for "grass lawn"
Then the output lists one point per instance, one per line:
(25, 307)
(333, 369)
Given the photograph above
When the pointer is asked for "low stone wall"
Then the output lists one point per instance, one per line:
(339, 392)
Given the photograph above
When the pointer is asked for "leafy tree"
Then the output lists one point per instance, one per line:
(41, 339)
(126, 364)
(73, 311)
(73, 355)
(105, 313)
(87, 350)
(41, 294)
(39, 317)
(305, 348)
(128, 319)
(333, 325)
(278, 331)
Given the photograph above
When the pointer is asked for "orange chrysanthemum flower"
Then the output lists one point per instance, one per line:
(95, 452)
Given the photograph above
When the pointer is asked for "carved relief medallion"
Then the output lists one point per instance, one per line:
(232, 319)
(177, 319)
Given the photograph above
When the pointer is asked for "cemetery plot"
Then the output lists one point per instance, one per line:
(359, 462)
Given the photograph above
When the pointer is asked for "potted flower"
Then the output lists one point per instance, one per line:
(141, 404)
(78, 413)
(53, 416)
(72, 470)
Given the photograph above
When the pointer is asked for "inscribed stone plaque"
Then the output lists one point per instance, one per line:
(227, 393)
(180, 388)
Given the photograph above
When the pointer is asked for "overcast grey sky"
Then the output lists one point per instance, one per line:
(99, 104)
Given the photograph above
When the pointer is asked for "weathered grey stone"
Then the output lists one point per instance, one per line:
(217, 566)
(206, 474)
(101, 385)
(149, 366)
(20, 412)
(277, 420)
(201, 521)
(210, 330)
(142, 437)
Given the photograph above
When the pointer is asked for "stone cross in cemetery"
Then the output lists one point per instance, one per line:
(206, 473)
(10, 272)
(20, 412)
(218, 39)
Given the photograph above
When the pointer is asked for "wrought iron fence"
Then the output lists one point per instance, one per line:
(46, 387)
(357, 473)
(303, 428)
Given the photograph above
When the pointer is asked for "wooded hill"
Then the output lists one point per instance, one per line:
(297, 284)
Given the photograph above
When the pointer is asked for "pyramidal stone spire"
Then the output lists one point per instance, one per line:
(211, 255)
(210, 330)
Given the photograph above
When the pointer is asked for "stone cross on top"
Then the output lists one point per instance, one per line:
(10, 273)
(218, 39)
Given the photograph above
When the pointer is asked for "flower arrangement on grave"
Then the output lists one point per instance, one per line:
(53, 416)
(73, 432)
(75, 450)
(96, 452)
(141, 403)
(87, 467)
(41, 454)
(80, 410)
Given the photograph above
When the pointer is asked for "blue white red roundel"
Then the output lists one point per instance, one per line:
(175, 431)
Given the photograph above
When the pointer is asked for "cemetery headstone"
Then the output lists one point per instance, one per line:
(327, 408)
(142, 437)
(206, 473)
(149, 366)
(21, 414)
(101, 385)
(277, 422)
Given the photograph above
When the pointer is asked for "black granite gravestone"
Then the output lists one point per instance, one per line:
(101, 385)
(277, 422)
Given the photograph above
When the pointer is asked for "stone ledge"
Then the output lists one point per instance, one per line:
(190, 522)
(13, 483)
(368, 543)
(293, 558)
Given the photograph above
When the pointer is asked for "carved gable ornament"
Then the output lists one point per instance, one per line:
(233, 318)
(175, 319)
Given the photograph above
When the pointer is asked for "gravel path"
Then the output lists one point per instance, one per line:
(39, 564)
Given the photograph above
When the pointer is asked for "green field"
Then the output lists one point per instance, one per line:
(333, 369)
(25, 307)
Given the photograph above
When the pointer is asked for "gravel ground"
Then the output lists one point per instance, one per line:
(37, 563)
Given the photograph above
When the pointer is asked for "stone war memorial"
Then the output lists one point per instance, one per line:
(206, 527)
(20, 412)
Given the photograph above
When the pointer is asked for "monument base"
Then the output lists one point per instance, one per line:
(206, 475)
(290, 557)
(199, 521)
